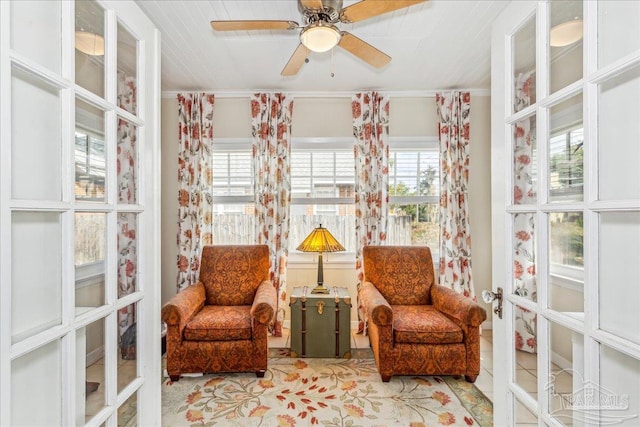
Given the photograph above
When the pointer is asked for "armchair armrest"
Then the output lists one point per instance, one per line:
(457, 306)
(377, 308)
(264, 303)
(182, 306)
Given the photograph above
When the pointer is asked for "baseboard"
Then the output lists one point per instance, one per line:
(95, 355)
(561, 361)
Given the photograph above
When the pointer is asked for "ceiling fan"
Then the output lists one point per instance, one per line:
(319, 32)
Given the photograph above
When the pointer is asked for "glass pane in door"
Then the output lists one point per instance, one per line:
(566, 151)
(524, 416)
(618, 136)
(90, 371)
(127, 345)
(524, 66)
(127, 70)
(127, 162)
(619, 274)
(127, 253)
(36, 387)
(526, 357)
(36, 150)
(566, 373)
(36, 273)
(525, 168)
(90, 246)
(566, 262)
(90, 47)
(619, 388)
(90, 170)
(565, 40)
(618, 30)
(128, 411)
(35, 29)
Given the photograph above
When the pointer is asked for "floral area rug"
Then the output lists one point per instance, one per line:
(323, 392)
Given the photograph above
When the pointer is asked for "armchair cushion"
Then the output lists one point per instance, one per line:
(231, 274)
(220, 323)
(402, 274)
(423, 324)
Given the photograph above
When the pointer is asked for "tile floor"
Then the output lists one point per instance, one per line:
(95, 400)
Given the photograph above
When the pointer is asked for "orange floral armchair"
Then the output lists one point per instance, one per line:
(219, 324)
(415, 326)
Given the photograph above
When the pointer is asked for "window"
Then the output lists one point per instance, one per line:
(89, 159)
(90, 228)
(233, 209)
(566, 229)
(566, 165)
(322, 191)
(322, 185)
(414, 193)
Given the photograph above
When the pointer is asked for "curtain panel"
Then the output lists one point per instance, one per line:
(126, 167)
(524, 262)
(453, 110)
(195, 178)
(370, 112)
(271, 131)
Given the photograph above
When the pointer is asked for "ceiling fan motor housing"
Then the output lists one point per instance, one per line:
(329, 12)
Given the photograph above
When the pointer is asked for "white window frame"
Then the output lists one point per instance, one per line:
(324, 144)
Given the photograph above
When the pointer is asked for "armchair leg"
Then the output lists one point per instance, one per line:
(174, 378)
(471, 378)
(260, 374)
(385, 378)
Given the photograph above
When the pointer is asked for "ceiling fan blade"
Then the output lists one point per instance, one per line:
(311, 4)
(296, 61)
(366, 9)
(363, 50)
(253, 25)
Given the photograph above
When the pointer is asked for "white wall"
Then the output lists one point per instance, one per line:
(331, 117)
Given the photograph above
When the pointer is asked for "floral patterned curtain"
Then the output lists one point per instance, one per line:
(195, 177)
(271, 130)
(127, 165)
(455, 234)
(524, 263)
(370, 112)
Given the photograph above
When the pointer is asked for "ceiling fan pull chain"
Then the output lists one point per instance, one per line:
(332, 74)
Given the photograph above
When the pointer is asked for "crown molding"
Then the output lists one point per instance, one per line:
(339, 94)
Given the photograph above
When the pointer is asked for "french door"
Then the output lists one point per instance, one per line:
(79, 214)
(566, 212)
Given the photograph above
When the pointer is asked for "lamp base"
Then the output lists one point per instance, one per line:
(320, 289)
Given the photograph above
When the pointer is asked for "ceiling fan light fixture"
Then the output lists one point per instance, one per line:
(89, 43)
(566, 33)
(320, 37)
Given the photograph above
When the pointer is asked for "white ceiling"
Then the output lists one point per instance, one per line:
(440, 44)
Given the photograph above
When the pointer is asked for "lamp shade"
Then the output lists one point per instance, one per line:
(319, 37)
(320, 240)
(566, 33)
(89, 43)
